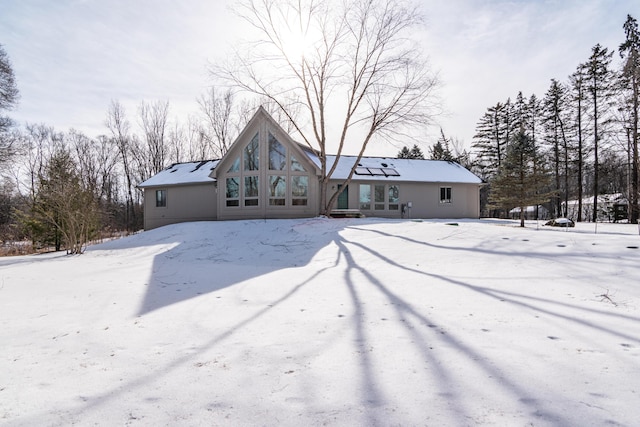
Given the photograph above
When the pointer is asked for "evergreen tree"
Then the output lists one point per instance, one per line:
(521, 180)
(554, 106)
(441, 149)
(534, 109)
(598, 77)
(490, 140)
(578, 100)
(404, 153)
(630, 83)
(521, 113)
(65, 205)
(414, 153)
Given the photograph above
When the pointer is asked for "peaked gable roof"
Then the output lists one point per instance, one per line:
(368, 168)
(260, 116)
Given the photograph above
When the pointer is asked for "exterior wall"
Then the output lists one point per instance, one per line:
(225, 171)
(184, 203)
(424, 198)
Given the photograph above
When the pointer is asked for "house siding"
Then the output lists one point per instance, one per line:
(184, 203)
(424, 197)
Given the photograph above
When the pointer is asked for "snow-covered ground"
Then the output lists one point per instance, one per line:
(355, 322)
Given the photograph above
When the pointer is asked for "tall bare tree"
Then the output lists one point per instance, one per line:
(154, 120)
(119, 127)
(218, 110)
(349, 64)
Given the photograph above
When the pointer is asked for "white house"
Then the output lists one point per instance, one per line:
(265, 174)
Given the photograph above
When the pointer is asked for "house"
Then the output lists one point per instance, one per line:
(265, 174)
(611, 207)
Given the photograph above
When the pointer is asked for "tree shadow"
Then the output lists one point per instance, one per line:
(184, 269)
(223, 265)
(425, 335)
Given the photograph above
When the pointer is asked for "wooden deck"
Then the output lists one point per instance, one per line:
(346, 213)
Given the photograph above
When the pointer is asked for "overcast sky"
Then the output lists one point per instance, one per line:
(72, 57)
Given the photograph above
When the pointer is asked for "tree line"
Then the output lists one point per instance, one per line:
(353, 61)
(62, 189)
(578, 141)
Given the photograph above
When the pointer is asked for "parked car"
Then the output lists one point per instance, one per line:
(561, 222)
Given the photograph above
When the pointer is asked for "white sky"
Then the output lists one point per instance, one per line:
(72, 57)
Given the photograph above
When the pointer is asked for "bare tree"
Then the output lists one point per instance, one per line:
(153, 119)
(8, 99)
(349, 65)
(220, 128)
(66, 204)
(119, 127)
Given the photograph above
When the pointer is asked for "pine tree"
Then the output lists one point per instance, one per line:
(404, 153)
(69, 209)
(490, 140)
(578, 100)
(521, 180)
(630, 83)
(554, 107)
(414, 153)
(441, 149)
(597, 77)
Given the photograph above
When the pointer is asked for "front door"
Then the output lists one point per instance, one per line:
(343, 198)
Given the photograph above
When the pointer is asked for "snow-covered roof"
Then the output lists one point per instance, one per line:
(183, 173)
(368, 169)
(529, 209)
(406, 170)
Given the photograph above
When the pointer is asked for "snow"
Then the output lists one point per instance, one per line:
(349, 322)
(410, 170)
(183, 173)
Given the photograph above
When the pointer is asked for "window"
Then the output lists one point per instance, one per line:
(394, 197)
(296, 166)
(233, 192)
(251, 190)
(299, 190)
(277, 190)
(445, 194)
(277, 154)
(385, 197)
(235, 167)
(161, 198)
(252, 155)
(365, 197)
(267, 175)
(378, 197)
